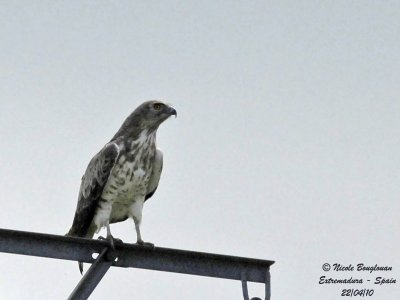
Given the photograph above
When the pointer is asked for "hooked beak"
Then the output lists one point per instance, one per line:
(172, 112)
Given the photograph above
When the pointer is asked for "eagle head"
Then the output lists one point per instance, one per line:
(154, 112)
(147, 116)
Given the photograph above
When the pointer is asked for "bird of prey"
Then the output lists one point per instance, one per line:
(123, 175)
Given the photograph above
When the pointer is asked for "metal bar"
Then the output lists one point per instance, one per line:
(92, 277)
(245, 290)
(131, 255)
(268, 286)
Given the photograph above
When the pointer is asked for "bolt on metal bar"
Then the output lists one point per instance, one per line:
(92, 277)
(135, 256)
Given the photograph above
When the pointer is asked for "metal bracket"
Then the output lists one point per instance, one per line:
(93, 275)
(267, 287)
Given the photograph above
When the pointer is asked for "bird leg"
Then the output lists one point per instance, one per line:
(110, 238)
(139, 236)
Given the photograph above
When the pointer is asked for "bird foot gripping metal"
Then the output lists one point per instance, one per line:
(267, 287)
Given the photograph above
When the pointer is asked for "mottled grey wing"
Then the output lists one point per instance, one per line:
(155, 174)
(92, 185)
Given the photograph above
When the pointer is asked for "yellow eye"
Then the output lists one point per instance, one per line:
(157, 106)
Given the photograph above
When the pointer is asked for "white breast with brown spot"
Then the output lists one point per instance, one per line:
(125, 191)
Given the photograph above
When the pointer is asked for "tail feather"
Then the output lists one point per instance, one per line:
(89, 235)
(80, 264)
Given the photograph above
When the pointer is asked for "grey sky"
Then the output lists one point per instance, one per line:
(286, 145)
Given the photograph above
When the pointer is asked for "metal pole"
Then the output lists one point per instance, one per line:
(268, 286)
(245, 290)
(92, 277)
(135, 256)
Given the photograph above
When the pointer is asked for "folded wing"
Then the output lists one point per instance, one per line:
(92, 185)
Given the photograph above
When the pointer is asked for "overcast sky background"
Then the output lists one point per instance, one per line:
(286, 146)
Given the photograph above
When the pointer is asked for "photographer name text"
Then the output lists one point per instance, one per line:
(362, 274)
